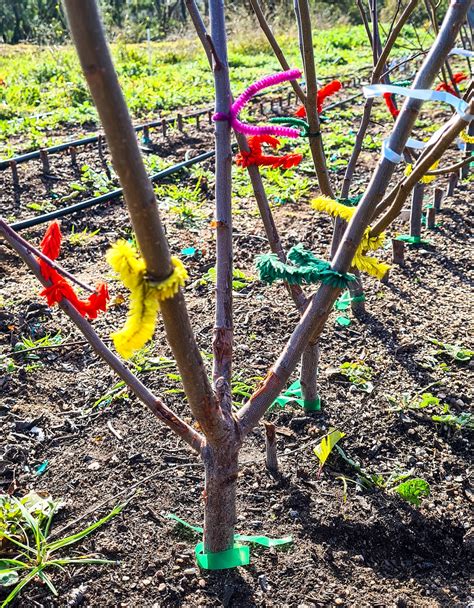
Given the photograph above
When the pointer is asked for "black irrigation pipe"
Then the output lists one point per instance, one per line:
(76, 143)
(92, 202)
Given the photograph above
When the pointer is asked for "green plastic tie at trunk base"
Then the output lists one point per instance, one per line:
(344, 301)
(294, 394)
(412, 240)
(312, 406)
(239, 555)
(343, 321)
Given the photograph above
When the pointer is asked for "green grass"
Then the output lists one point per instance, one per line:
(44, 88)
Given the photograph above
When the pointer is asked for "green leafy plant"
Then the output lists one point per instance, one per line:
(453, 351)
(415, 403)
(413, 490)
(240, 280)
(464, 420)
(359, 374)
(27, 550)
(82, 238)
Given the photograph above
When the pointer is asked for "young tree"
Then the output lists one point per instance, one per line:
(222, 432)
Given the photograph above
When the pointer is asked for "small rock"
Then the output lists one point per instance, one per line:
(94, 466)
(162, 587)
(293, 513)
(146, 581)
(338, 601)
(202, 583)
(262, 581)
(190, 571)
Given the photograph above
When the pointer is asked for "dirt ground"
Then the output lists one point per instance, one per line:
(353, 548)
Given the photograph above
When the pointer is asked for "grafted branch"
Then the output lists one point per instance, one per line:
(155, 404)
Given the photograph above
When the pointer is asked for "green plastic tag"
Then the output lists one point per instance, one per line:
(412, 240)
(239, 555)
(343, 321)
(312, 406)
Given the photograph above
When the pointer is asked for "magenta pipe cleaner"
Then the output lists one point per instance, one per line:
(243, 99)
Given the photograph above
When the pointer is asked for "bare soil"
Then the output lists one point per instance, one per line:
(353, 549)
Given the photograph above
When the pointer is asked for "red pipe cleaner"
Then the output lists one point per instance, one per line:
(256, 157)
(325, 91)
(457, 78)
(60, 288)
(392, 108)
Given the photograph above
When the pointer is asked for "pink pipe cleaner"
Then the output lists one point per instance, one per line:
(244, 98)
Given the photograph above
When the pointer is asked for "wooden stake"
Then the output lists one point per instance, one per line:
(271, 458)
(416, 209)
(14, 170)
(437, 198)
(164, 127)
(430, 217)
(45, 162)
(197, 121)
(73, 155)
(452, 183)
(179, 121)
(210, 114)
(398, 252)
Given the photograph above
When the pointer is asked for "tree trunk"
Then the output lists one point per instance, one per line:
(309, 373)
(416, 209)
(220, 516)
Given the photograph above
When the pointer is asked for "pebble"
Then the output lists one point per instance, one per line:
(94, 466)
(262, 581)
(190, 571)
(146, 581)
(202, 583)
(338, 601)
(162, 587)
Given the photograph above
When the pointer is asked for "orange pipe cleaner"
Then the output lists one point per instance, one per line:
(392, 108)
(60, 288)
(325, 91)
(255, 156)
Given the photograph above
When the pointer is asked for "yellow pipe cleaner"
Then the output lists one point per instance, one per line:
(427, 179)
(469, 139)
(145, 296)
(362, 262)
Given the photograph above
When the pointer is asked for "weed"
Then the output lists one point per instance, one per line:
(240, 280)
(82, 238)
(25, 528)
(453, 351)
(413, 490)
(359, 374)
(464, 420)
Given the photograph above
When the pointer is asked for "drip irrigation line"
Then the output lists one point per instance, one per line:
(76, 143)
(92, 202)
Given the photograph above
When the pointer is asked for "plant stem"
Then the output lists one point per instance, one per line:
(223, 330)
(315, 140)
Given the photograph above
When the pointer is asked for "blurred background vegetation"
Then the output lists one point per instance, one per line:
(42, 21)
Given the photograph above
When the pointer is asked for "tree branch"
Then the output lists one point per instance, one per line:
(320, 306)
(276, 48)
(154, 404)
(94, 54)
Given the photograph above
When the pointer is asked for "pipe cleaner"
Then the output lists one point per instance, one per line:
(243, 99)
(464, 136)
(392, 108)
(60, 288)
(350, 201)
(360, 261)
(256, 157)
(306, 269)
(426, 179)
(325, 91)
(145, 296)
(297, 122)
(457, 78)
